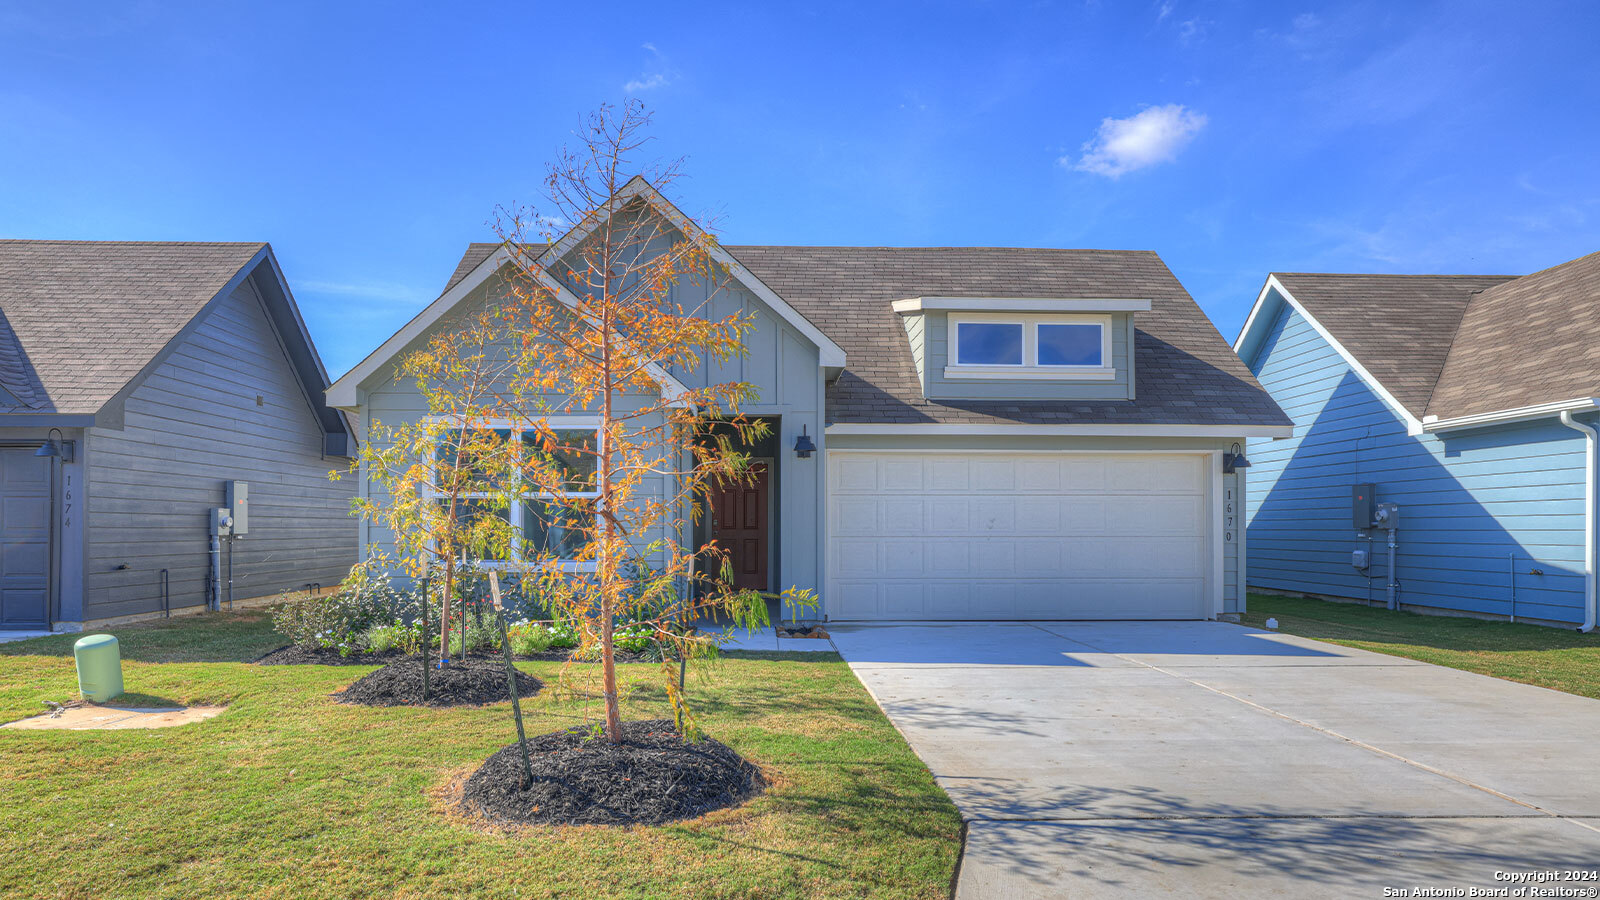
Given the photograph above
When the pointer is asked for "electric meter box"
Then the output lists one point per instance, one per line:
(239, 503)
(1361, 505)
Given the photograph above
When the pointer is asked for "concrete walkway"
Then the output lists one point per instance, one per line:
(1210, 760)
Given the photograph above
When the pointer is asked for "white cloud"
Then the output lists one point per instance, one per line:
(660, 73)
(1154, 135)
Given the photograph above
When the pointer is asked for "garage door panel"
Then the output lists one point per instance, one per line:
(947, 515)
(859, 516)
(950, 558)
(900, 475)
(994, 515)
(903, 515)
(1158, 515)
(991, 474)
(1028, 535)
(947, 473)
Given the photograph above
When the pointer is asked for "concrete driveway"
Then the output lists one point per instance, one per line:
(1210, 760)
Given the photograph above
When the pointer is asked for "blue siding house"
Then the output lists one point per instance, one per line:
(1468, 401)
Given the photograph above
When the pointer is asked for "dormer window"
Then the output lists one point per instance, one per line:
(1016, 345)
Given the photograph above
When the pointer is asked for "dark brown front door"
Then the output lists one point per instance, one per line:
(739, 526)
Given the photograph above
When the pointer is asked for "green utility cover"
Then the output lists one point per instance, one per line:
(99, 667)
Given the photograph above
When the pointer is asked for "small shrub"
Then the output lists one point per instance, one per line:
(529, 639)
(395, 636)
(336, 621)
(563, 635)
(634, 638)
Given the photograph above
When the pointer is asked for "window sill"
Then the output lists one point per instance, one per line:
(1027, 373)
(575, 566)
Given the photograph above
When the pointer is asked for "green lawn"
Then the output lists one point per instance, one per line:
(1556, 658)
(291, 795)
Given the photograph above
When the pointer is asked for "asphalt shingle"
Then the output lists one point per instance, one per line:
(80, 319)
(1185, 372)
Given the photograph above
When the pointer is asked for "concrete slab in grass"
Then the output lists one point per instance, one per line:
(99, 717)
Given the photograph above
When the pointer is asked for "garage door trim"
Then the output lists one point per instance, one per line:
(1212, 483)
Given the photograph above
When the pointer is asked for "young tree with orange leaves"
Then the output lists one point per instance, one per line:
(571, 454)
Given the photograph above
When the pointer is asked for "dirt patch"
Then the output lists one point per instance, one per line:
(651, 778)
(470, 683)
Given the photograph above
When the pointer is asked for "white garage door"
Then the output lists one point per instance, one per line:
(930, 535)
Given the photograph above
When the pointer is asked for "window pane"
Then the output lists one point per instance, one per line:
(571, 452)
(549, 529)
(477, 451)
(989, 344)
(469, 512)
(1070, 345)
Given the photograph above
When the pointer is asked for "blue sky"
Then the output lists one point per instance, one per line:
(370, 142)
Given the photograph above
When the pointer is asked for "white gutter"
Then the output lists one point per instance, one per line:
(1590, 438)
(1516, 414)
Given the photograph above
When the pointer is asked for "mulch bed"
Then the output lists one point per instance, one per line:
(296, 655)
(651, 778)
(319, 656)
(470, 683)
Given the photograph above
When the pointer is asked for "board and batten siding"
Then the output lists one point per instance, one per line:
(193, 424)
(780, 362)
(1480, 510)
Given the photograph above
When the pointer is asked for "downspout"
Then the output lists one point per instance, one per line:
(1590, 438)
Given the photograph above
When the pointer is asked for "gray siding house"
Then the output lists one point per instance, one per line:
(1000, 433)
(156, 374)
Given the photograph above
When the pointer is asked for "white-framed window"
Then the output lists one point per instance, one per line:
(1016, 345)
(541, 526)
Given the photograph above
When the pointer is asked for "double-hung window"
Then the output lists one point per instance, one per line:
(1029, 346)
(547, 524)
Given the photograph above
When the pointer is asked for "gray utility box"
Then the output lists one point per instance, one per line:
(1361, 505)
(239, 502)
(221, 521)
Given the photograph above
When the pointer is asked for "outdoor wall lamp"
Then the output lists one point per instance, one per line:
(803, 445)
(56, 446)
(1234, 459)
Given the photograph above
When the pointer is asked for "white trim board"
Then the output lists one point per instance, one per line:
(1230, 432)
(1019, 304)
(1413, 424)
(1505, 416)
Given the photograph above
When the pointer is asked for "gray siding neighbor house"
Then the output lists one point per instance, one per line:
(156, 374)
(1000, 433)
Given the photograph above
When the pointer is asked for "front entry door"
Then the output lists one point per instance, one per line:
(739, 526)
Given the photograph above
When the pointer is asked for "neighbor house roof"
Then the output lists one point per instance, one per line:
(1456, 350)
(80, 321)
(1185, 372)
(1530, 340)
(1398, 326)
(82, 318)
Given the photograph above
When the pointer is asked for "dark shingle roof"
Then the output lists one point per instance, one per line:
(1398, 327)
(1186, 373)
(1531, 340)
(82, 318)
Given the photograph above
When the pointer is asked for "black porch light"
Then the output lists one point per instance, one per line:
(803, 445)
(55, 446)
(1234, 459)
